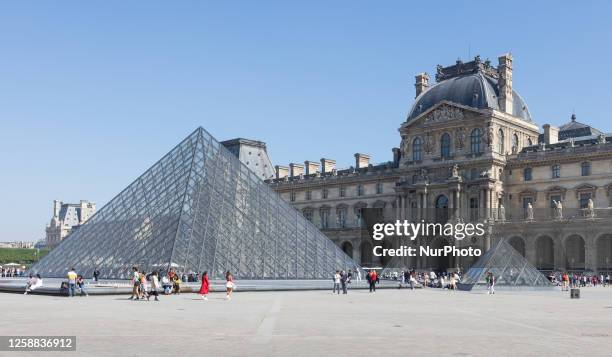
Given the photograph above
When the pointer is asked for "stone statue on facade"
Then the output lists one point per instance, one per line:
(590, 209)
(489, 136)
(502, 213)
(404, 146)
(602, 138)
(455, 171)
(529, 212)
(558, 209)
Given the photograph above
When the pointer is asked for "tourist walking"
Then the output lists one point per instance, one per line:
(205, 286)
(135, 284)
(143, 285)
(372, 280)
(344, 282)
(72, 276)
(229, 284)
(96, 275)
(336, 282)
(154, 286)
(491, 283)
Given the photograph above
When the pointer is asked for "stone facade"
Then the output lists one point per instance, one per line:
(66, 218)
(470, 152)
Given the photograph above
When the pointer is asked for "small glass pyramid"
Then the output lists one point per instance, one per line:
(198, 209)
(510, 268)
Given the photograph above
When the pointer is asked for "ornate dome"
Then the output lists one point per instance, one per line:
(476, 90)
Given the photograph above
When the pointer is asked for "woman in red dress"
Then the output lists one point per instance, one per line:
(205, 285)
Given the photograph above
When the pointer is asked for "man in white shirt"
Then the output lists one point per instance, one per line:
(336, 282)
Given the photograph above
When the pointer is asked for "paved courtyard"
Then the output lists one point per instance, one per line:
(315, 323)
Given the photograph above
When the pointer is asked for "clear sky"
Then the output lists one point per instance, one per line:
(93, 93)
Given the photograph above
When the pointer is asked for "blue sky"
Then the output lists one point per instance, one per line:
(91, 94)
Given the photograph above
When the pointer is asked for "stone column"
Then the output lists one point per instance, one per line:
(488, 203)
(397, 207)
(419, 205)
(456, 204)
(425, 213)
(404, 207)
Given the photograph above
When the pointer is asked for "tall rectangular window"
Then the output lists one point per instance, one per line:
(556, 171)
(584, 199)
(342, 191)
(527, 174)
(379, 188)
(585, 168)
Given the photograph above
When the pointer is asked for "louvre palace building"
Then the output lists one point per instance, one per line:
(469, 151)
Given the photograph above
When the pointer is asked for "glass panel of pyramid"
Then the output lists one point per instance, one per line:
(510, 268)
(198, 209)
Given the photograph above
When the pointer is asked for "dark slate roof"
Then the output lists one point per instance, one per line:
(575, 129)
(475, 90)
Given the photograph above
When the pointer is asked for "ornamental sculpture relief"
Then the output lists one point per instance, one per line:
(444, 113)
(460, 138)
(430, 143)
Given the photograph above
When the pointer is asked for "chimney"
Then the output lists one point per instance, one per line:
(422, 83)
(361, 160)
(281, 171)
(56, 208)
(551, 134)
(295, 169)
(505, 83)
(311, 167)
(396, 155)
(327, 165)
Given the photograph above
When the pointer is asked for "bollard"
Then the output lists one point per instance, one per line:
(575, 293)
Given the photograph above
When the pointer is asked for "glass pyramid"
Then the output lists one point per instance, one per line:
(198, 209)
(510, 268)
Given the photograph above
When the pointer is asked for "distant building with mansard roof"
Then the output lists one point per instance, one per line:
(66, 218)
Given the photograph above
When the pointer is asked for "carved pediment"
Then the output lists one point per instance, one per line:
(443, 113)
(584, 188)
(556, 190)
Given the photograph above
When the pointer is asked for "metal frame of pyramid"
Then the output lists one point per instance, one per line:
(198, 209)
(510, 268)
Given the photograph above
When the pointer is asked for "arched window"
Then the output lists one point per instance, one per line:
(529, 143)
(417, 149)
(475, 139)
(445, 146)
(500, 141)
(515, 143)
(442, 209)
